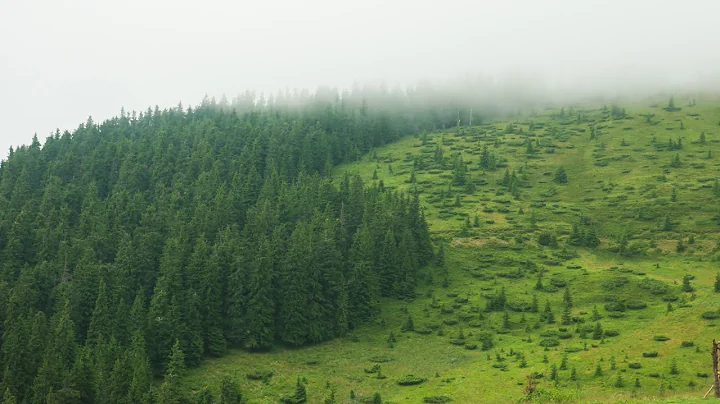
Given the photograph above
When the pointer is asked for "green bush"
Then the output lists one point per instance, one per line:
(661, 338)
(549, 342)
(634, 365)
(687, 344)
(653, 354)
(410, 380)
(612, 333)
(711, 315)
(636, 305)
(436, 399)
(615, 306)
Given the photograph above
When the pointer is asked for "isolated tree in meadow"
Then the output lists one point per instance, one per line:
(561, 176)
(686, 286)
(675, 162)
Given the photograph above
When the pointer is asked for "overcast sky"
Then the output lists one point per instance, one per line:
(61, 61)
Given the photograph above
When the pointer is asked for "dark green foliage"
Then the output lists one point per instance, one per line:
(408, 325)
(686, 286)
(619, 382)
(171, 389)
(584, 234)
(673, 367)
(437, 399)
(410, 380)
(547, 238)
(598, 371)
(229, 391)
(560, 176)
(300, 395)
(169, 234)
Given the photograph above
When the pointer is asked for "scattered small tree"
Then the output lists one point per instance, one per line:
(686, 286)
(598, 371)
(561, 176)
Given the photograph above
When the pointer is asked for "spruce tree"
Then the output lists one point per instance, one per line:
(259, 322)
(229, 392)
(171, 391)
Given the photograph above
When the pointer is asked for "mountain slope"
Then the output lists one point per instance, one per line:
(518, 237)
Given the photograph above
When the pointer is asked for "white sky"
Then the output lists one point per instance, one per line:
(61, 61)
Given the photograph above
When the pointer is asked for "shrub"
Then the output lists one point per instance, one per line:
(549, 342)
(380, 359)
(564, 335)
(661, 338)
(558, 282)
(616, 314)
(410, 380)
(653, 354)
(634, 365)
(636, 305)
(374, 369)
(687, 344)
(702, 374)
(470, 347)
(437, 399)
(711, 315)
(612, 333)
(653, 374)
(547, 238)
(615, 306)
(259, 375)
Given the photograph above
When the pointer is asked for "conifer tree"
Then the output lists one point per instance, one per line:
(171, 389)
(229, 392)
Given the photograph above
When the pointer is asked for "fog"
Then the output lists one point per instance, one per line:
(64, 61)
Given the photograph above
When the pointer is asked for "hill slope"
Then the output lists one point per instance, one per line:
(601, 278)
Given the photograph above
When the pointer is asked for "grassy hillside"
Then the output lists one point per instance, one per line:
(641, 179)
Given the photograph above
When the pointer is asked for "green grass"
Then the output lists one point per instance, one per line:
(631, 194)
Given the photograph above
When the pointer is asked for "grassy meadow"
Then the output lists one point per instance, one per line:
(640, 176)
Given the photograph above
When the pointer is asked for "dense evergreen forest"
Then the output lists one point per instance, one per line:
(147, 242)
